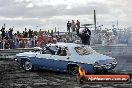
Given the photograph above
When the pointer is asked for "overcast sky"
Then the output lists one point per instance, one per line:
(50, 13)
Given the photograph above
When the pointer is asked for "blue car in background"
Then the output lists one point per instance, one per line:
(65, 57)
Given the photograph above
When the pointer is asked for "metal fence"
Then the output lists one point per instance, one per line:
(11, 53)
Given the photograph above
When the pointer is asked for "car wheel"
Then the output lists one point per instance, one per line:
(73, 70)
(27, 65)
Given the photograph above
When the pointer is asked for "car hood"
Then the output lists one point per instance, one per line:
(91, 59)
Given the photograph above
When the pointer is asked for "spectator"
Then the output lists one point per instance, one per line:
(41, 40)
(54, 40)
(73, 26)
(30, 33)
(3, 32)
(11, 42)
(31, 43)
(1, 42)
(10, 32)
(6, 45)
(68, 26)
(78, 27)
(16, 43)
(40, 31)
(25, 33)
(85, 36)
(6, 35)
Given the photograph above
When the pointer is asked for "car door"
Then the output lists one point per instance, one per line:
(61, 62)
(44, 61)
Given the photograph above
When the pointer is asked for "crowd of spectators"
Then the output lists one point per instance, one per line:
(25, 39)
(29, 38)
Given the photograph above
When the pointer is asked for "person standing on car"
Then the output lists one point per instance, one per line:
(3, 32)
(85, 36)
(68, 26)
(78, 27)
(73, 28)
(87, 33)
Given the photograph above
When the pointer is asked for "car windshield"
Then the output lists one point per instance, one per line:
(84, 50)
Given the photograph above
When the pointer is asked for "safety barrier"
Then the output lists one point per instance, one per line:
(11, 53)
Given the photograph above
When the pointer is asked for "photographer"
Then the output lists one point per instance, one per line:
(85, 36)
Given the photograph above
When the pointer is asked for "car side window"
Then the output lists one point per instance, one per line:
(51, 50)
(62, 51)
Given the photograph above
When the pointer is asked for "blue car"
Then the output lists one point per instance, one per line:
(65, 57)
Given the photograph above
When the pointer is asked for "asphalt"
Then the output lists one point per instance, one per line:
(13, 76)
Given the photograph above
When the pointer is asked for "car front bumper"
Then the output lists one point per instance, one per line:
(105, 67)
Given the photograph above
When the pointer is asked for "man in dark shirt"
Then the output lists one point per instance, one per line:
(11, 32)
(30, 32)
(25, 33)
(3, 32)
(85, 36)
(68, 26)
(77, 27)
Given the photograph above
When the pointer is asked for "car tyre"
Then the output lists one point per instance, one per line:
(27, 65)
(73, 70)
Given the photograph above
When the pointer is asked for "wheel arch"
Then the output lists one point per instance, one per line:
(24, 59)
(72, 65)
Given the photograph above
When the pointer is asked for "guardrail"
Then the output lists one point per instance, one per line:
(11, 53)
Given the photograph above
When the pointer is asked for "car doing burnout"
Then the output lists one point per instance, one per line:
(66, 57)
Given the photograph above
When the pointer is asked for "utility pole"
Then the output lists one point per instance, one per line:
(117, 24)
(55, 29)
(95, 20)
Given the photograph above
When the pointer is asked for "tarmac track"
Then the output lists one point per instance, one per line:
(13, 76)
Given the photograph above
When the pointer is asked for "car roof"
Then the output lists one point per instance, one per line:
(62, 44)
(38, 48)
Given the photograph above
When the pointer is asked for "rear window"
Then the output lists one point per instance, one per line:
(84, 50)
